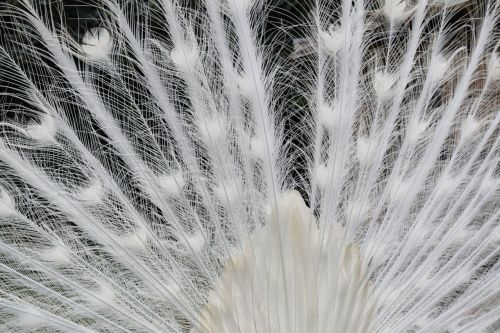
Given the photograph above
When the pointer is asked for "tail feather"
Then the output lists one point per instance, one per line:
(184, 169)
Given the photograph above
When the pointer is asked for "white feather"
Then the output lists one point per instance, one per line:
(187, 171)
(7, 205)
(332, 39)
(44, 132)
(97, 43)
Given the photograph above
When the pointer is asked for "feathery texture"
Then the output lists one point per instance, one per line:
(205, 169)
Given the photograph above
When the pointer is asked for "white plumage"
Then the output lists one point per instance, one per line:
(185, 170)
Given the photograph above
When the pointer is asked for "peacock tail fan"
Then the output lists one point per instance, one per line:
(250, 166)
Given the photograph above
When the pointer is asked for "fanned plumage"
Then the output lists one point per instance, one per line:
(207, 169)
